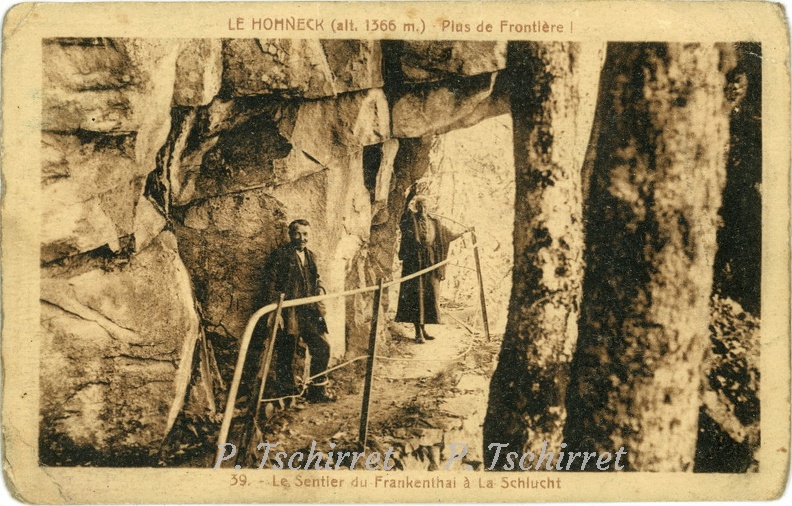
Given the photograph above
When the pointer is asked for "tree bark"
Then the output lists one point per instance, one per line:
(738, 263)
(552, 118)
(651, 222)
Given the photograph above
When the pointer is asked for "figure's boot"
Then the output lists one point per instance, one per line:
(419, 334)
(318, 393)
(425, 335)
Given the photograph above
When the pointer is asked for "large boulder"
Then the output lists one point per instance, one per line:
(199, 72)
(241, 159)
(244, 143)
(381, 187)
(118, 339)
(105, 114)
(301, 67)
(225, 240)
(428, 109)
(91, 184)
(193, 165)
(108, 85)
(437, 60)
(325, 129)
(87, 85)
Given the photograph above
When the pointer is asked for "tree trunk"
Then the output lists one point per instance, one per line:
(738, 263)
(552, 119)
(651, 222)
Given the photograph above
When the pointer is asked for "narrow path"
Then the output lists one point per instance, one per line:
(424, 397)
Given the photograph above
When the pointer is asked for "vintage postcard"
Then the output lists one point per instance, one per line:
(395, 252)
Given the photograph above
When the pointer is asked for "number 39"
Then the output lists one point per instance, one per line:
(238, 479)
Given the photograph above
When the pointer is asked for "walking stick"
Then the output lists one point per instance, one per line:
(421, 316)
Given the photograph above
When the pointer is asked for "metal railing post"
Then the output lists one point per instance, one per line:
(265, 367)
(228, 415)
(484, 319)
(363, 436)
(258, 314)
(261, 379)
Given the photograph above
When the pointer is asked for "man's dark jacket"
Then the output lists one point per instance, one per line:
(284, 273)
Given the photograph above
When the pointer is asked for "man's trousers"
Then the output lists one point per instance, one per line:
(285, 346)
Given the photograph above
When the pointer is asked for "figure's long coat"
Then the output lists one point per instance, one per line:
(416, 256)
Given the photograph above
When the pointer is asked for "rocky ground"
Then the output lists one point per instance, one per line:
(729, 424)
(424, 397)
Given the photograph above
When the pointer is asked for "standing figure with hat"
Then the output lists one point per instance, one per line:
(424, 242)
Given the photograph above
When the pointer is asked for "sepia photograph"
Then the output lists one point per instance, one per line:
(593, 213)
(379, 262)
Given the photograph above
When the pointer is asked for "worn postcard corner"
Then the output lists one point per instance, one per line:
(395, 252)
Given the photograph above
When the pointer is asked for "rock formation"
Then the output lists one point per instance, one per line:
(119, 321)
(172, 168)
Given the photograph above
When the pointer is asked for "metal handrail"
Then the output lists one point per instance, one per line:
(228, 414)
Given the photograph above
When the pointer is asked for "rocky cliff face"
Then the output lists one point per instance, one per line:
(171, 170)
(119, 321)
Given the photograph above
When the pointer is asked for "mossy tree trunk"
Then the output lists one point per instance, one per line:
(651, 223)
(553, 89)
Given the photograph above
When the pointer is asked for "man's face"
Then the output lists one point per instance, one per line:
(299, 236)
(420, 206)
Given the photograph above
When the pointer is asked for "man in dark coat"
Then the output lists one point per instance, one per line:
(291, 270)
(424, 242)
